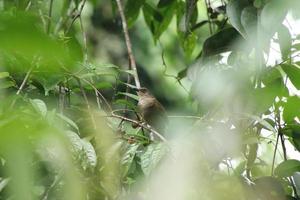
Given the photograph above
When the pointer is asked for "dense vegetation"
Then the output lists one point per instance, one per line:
(226, 71)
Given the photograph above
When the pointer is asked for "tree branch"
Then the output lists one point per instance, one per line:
(128, 44)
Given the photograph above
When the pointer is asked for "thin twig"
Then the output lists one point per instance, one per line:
(24, 80)
(274, 155)
(98, 93)
(87, 103)
(143, 125)
(128, 44)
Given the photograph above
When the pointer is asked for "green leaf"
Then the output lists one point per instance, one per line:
(132, 10)
(152, 156)
(249, 21)
(3, 183)
(164, 3)
(273, 15)
(128, 157)
(263, 122)
(68, 121)
(287, 168)
(293, 72)
(6, 84)
(189, 43)
(90, 156)
(39, 106)
(234, 10)
(291, 109)
(4, 75)
(129, 95)
(285, 41)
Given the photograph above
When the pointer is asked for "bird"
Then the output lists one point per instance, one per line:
(151, 110)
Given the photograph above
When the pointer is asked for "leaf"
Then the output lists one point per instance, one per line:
(291, 109)
(285, 41)
(3, 183)
(287, 168)
(90, 154)
(272, 15)
(249, 21)
(4, 75)
(68, 120)
(6, 84)
(234, 10)
(82, 150)
(128, 157)
(164, 3)
(293, 72)
(262, 122)
(132, 10)
(221, 42)
(129, 95)
(152, 156)
(39, 106)
(189, 43)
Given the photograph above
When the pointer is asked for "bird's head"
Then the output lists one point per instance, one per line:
(143, 91)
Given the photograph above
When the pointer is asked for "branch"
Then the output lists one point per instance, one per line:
(128, 44)
(145, 126)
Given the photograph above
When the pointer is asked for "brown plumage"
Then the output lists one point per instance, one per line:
(152, 112)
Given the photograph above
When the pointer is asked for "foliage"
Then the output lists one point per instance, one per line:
(68, 104)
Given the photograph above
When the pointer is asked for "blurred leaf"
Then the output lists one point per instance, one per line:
(6, 84)
(90, 154)
(152, 156)
(189, 43)
(268, 187)
(133, 96)
(84, 150)
(287, 168)
(285, 41)
(249, 21)
(293, 72)
(39, 106)
(272, 15)
(164, 3)
(68, 121)
(263, 122)
(132, 10)
(4, 75)
(234, 10)
(124, 102)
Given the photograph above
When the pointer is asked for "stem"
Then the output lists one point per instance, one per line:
(128, 44)
(24, 81)
(87, 103)
(49, 16)
(274, 155)
(146, 126)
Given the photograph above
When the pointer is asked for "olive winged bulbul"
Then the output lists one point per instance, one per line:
(151, 110)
